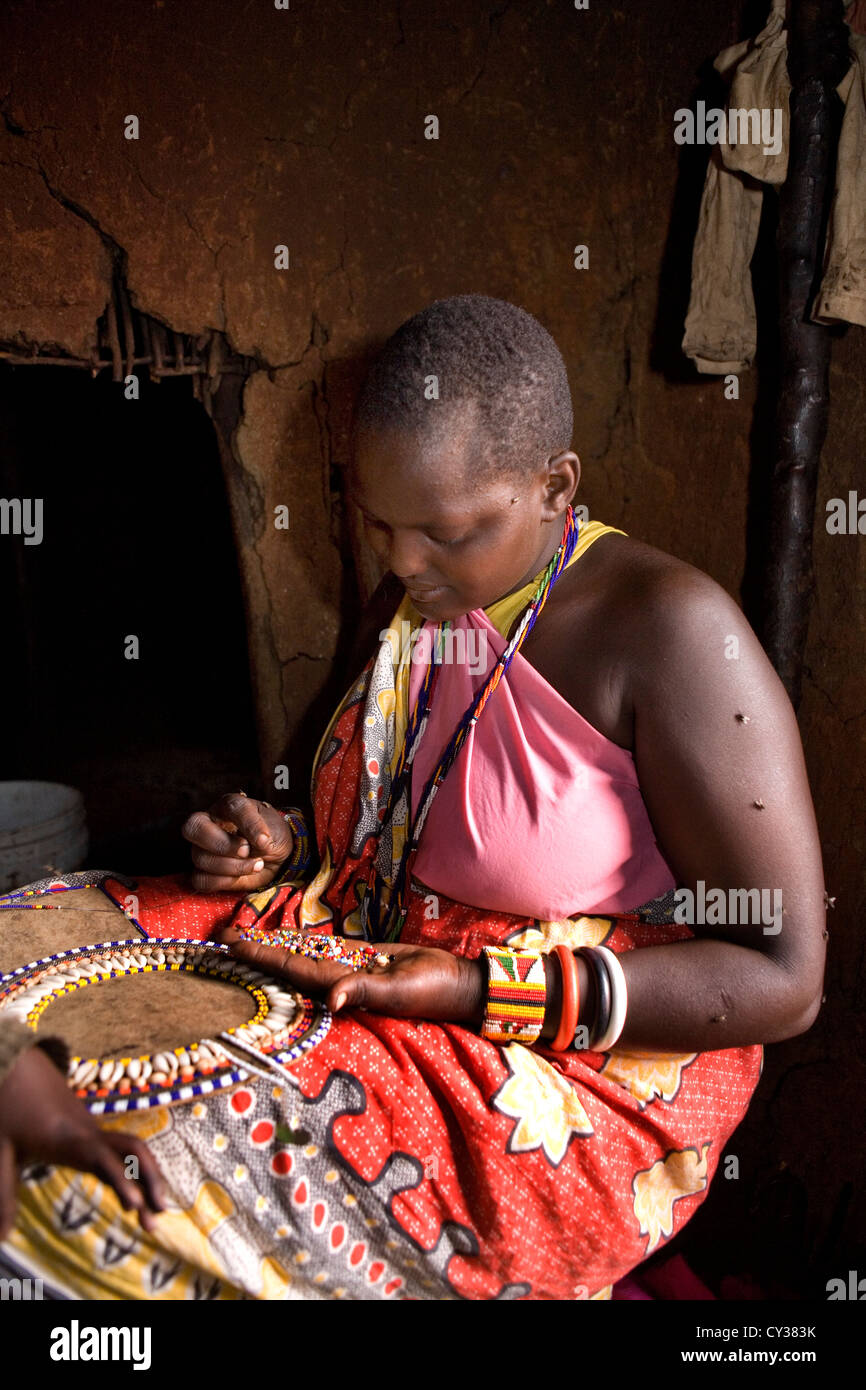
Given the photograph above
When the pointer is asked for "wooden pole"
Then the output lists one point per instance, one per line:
(817, 61)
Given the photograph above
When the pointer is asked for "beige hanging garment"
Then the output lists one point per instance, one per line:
(721, 326)
(843, 286)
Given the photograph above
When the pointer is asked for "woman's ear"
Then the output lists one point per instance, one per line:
(563, 475)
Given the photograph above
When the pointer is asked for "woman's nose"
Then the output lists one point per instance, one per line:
(405, 553)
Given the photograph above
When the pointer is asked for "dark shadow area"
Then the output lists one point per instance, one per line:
(138, 544)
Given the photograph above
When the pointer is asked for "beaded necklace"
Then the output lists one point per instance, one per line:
(284, 1026)
(386, 924)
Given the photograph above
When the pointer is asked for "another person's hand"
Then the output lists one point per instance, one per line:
(420, 982)
(42, 1121)
(238, 844)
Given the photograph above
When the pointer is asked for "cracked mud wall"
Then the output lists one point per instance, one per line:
(306, 128)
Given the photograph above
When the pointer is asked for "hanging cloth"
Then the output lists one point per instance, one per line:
(721, 324)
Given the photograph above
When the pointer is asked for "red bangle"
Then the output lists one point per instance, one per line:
(570, 999)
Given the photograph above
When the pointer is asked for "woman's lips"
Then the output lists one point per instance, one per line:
(425, 595)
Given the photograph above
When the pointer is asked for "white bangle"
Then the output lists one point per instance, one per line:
(619, 999)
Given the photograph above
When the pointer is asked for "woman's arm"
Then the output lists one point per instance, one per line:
(721, 769)
(41, 1120)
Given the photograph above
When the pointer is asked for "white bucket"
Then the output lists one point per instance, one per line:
(43, 829)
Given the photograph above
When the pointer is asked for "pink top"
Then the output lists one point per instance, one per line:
(540, 815)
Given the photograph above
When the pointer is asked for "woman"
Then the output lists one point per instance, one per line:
(493, 1116)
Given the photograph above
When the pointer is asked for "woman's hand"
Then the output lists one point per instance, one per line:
(42, 1121)
(420, 982)
(238, 844)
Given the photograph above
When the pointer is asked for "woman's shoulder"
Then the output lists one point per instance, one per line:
(672, 620)
(649, 611)
(640, 583)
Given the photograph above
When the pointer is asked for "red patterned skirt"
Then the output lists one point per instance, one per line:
(484, 1171)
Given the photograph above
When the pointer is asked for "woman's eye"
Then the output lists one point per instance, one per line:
(383, 526)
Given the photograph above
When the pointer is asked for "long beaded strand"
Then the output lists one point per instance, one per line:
(400, 781)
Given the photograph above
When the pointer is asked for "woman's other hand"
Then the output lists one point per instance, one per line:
(419, 982)
(42, 1121)
(238, 844)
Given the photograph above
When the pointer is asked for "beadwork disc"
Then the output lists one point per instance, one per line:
(174, 1033)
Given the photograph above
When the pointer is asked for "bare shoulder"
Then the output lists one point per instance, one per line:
(686, 641)
(636, 573)
(656, 597)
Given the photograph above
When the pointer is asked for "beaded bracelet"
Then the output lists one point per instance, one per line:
(299, 860)
(516, 995)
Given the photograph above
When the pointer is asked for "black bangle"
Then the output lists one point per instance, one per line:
(602, 994)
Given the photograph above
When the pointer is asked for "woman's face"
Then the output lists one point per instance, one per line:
(455, 546)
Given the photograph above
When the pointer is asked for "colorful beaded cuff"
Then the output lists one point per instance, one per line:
(516, 995)
(300, 859)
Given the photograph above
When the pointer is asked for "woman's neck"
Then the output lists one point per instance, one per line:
(539, 565)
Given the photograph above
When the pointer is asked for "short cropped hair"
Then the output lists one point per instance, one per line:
(485, 353)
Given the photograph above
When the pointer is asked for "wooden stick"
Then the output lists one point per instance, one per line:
(148, 344)
(114, 340)
(128, 328)
(817, 61)
(157, 334)
(214, 361)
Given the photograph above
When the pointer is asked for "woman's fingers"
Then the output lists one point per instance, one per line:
(311, 976)
(383, 990)
(237, 844)
(224, 866)
(111, 1169)
(123, 1164)
(8, 1185)
(208, 834)
(140, 1166)
(145, 1169)
(227, 883)
(260, 824)
(420, 982)
(41, 1121)
(416, 982)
